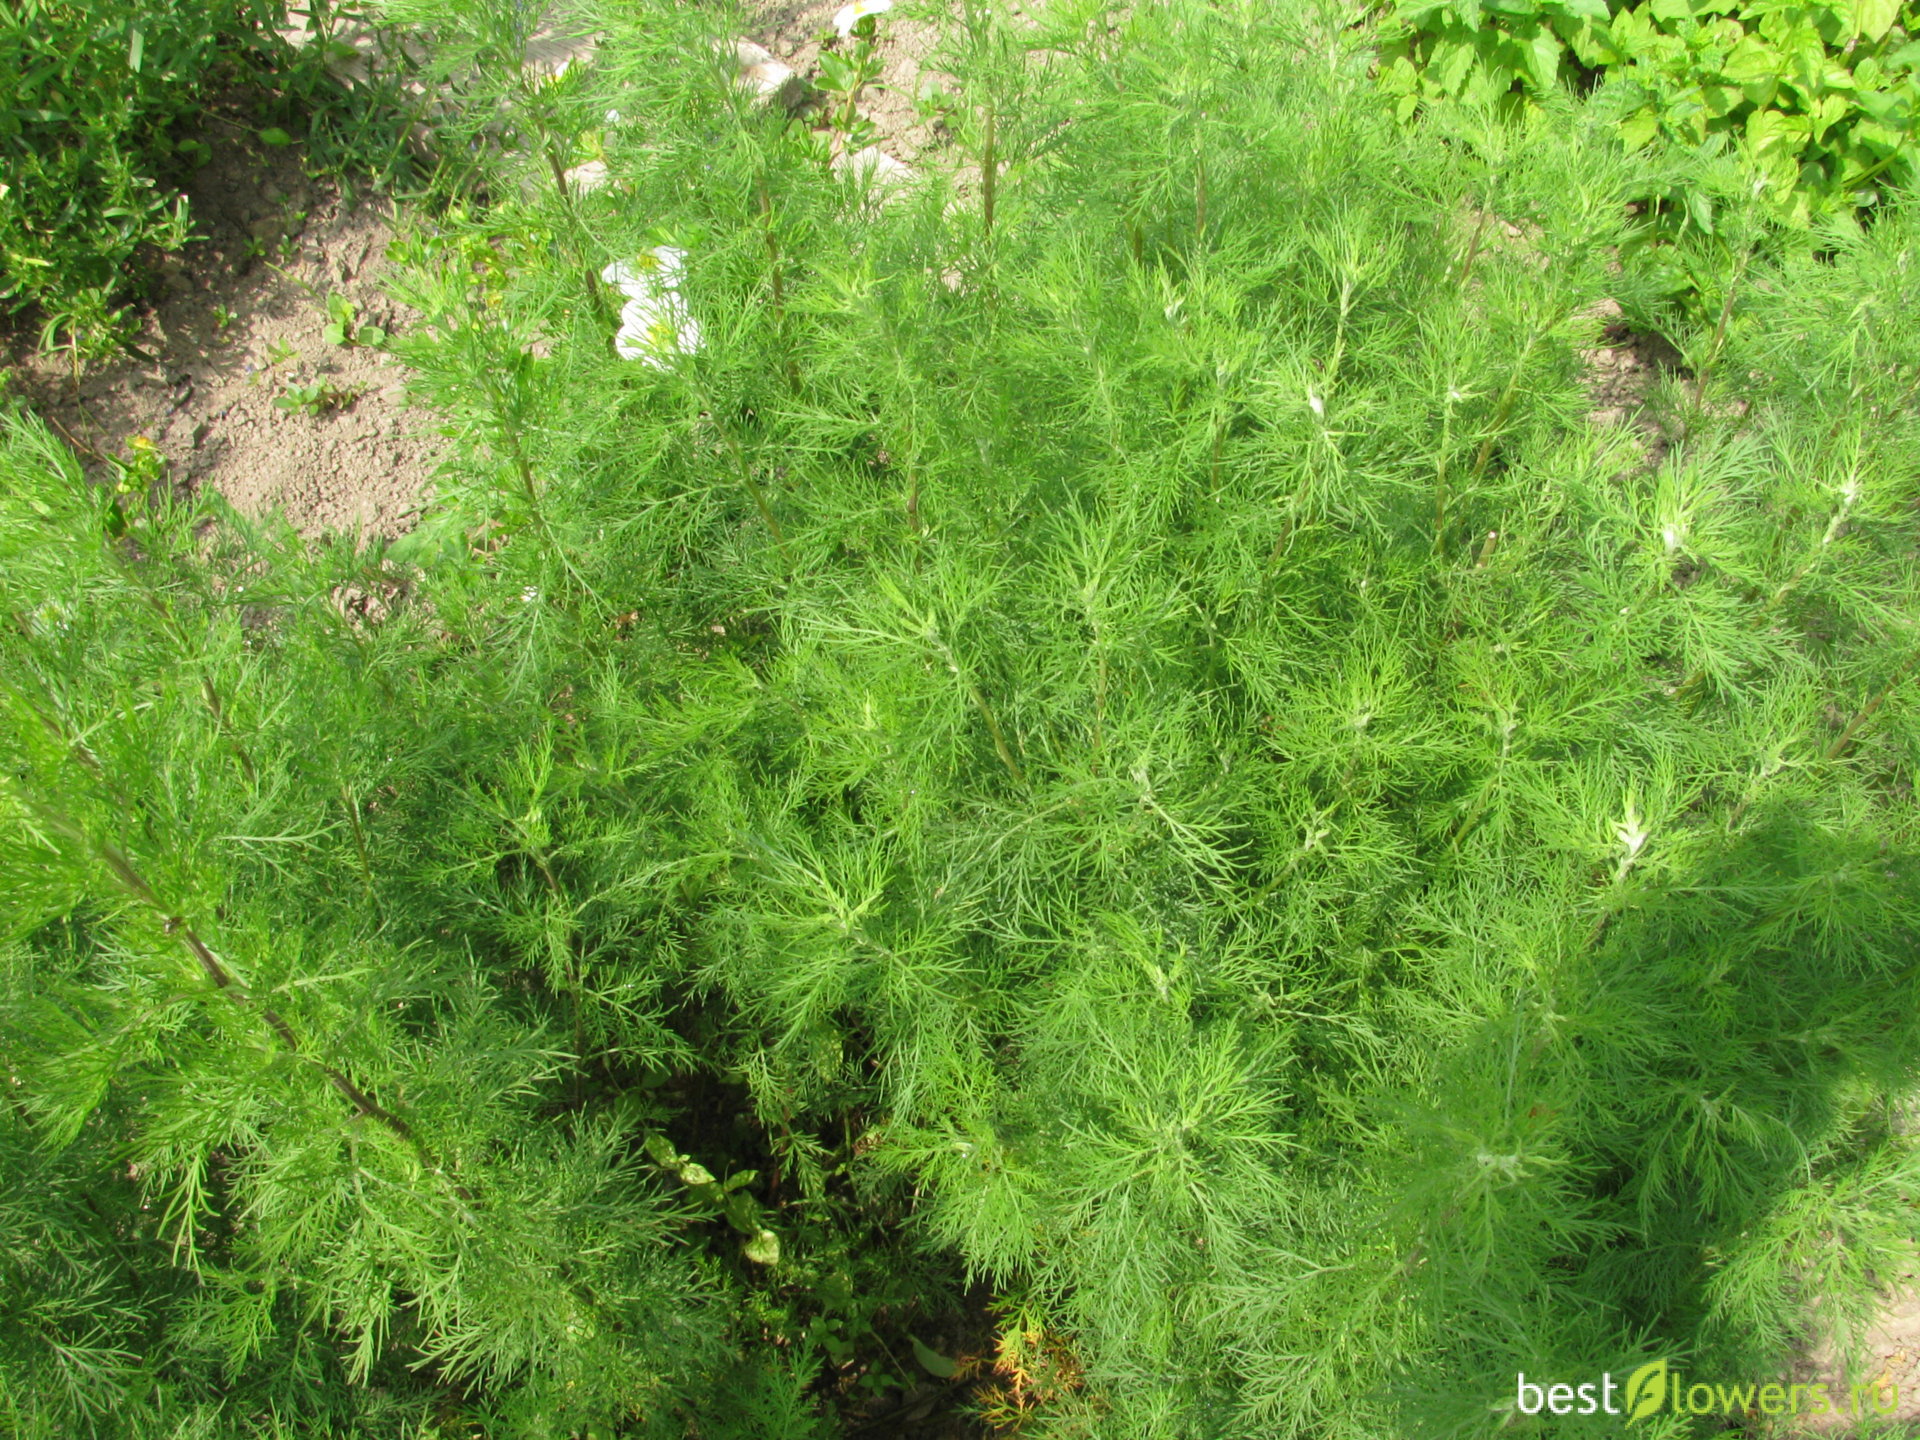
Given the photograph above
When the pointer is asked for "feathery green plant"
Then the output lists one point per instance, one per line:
(1125, 745)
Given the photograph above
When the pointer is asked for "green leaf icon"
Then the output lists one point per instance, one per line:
(1646, 1390)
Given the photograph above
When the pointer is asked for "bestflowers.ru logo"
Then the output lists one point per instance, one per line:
(1658, 1387)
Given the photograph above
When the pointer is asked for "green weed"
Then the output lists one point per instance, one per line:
(92, 163)
(343, 325)
(315, 397)
(1816, 101)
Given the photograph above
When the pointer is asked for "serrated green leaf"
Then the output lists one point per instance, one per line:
(1543, 53)
(1827, 114)
(742, 1212)
(1400, 77)
(1752, 60)
(1639, 128)
(1719, 99)
(1631, 34)
(1886, 107)
(1876, 138)
(1452, 61)
(660, 1150)
(1700, 210)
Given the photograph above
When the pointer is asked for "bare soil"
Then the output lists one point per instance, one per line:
(796, 31)
(237, 320)
(1880, 1386)
(1623, 372)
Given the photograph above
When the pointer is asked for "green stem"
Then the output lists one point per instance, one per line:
(1719, 330)
(223, 980)
(774, 270)
(596, 295)
(979, 700)
(753, 489)
(1200, 196)
(988, 166)
(1844, 741)
(1473, 250)
(360, 845)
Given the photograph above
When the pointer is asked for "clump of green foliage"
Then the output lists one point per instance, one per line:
(96, 142)
(87, 144)
(1818, 100)
(1108, 733)
(343, 325)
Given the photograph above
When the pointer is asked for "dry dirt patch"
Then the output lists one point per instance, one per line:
(237, 320)
(795, 31)
(1887, 1368)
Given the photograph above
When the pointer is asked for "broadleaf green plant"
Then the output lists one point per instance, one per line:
(1817, 100)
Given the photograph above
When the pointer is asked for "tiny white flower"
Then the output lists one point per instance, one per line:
(849, 16)
(649, 273)
(1317, 405)
(530, 594)
(613, 117)
(654, 328)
